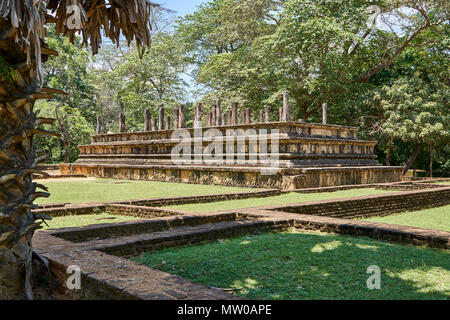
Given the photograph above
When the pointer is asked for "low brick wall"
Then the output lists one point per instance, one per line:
(109, 277)
(143, 212)
(137, 244)
(408, 186)
(129, 207)
(162, 202)
(71, 210)
(103, 231)
(367, 206)
(379, 231)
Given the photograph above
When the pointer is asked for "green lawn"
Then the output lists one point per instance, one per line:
(436, 218)
(85, 220)
(286, 198)
(443, 182)
(297, 265)
(100, 190)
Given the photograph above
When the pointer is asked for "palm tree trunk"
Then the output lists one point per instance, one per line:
(18, 126)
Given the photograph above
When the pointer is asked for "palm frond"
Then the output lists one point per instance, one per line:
(131, 19)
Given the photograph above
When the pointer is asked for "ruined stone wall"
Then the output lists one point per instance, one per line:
(379, 205)
(242, 177)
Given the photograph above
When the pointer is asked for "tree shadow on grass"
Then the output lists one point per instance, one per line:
(297, 265)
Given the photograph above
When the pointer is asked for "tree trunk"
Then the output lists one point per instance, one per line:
(431, 161)
(411, 160)
(18, 126)
(66, 152)
(388, 156)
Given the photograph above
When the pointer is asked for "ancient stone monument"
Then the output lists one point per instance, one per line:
(307, 154)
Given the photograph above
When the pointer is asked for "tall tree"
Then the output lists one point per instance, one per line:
(72, 111)
(321, 51)
(22, 51)
(148, 82)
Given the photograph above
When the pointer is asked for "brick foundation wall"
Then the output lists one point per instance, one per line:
(368, 206)
(104, 231)
(252, 177)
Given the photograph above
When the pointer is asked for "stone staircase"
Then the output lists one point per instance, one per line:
(306, 155)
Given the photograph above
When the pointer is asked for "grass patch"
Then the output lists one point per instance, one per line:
(299, 265)
(443, 182)
(286, 198)
(101, 190)
(435, 218)
(85, 220)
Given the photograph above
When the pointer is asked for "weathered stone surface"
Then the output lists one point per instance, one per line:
(218, 113)
(248, 116)
(286, 112)
(368, 206)
(181, 117)
(168, 123)
(109, 277)
(99, 124)
(122, 127)
(213, 116)
(324, 113)
(161, 119)
(106, 276)
(310, 155)
(379, 231)
(147, 122)
(267, 112)
(176, 119)
(198, 116)
(234, 114)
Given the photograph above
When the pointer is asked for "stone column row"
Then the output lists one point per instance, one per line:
(213, 118)
(285, 111)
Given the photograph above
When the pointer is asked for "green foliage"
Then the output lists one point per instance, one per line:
(75, 130)
(75, 113)
(6, 71)
(416, 111)
(391, 81)
(69, 72)
(149, 82)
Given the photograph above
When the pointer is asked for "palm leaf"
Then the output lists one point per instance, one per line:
(131, 19)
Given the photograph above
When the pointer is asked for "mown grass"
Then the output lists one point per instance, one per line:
(435, 218)
(286, 198)
(85, 220)
(298, 265)
(443, 182)
(100, 190)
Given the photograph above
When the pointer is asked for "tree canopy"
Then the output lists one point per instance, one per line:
(387, 74)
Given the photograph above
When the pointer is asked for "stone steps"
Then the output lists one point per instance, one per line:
(234, 156)
(361, 161)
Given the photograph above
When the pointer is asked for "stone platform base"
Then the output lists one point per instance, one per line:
(287, 179)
